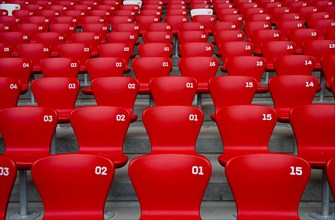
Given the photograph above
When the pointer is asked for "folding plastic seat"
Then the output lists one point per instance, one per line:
(78, 51)
(328, 69)
(19, 68)
(82, 7)
(144, 20)
(234, 48)
(89, 19)
(58, 93)
(89, 38)
(260, 36)
(175, 21)
(226, 11)
(14, 39)
(31, 29)
(151, 12)
(177, 12)
(260, 17)
(5, 27)
(183, 123)
(322, 4)
(245, 129)
(224, 26)
(74, 13)
(196, 49)
(8, 176)
(314, 127)
(36, 19)
(173, 90)
(318, 49)
(22, 14)
(289, 16)
(192, 36)
(10, 89)
(27, 134)
(56, 7)
(191, 26)
(287, 26)
(11, 21)
(131, 13)
(155, 50)
(127, 27)
(51, 39)
(268, 190)
(60, 67)
(299, 36)
(321, 15)
(100, 29)
(207, 20)
(238, 18)
(121, 50)
(305, 11)
(251, 11)
(230, 35)
(322, 25)
(146, 68)
(157, 37)
(103, 67)
(47, 13)
(289, 91)
(330, 170)
(231, 90)
(35, 52)
(294, 65)
(110, 8)
(113, 20)
(103, 134)
(5, 50)
(129, 37)
(100, 12)
(252, 66)
(250, 26)
(65, 29)
(273, 49)
(154, 6)
(66, 174)
(157, 203)
(65, 19)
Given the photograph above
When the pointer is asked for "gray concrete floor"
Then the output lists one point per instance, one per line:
(130, 210)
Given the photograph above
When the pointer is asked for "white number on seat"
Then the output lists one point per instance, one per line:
(267, 117)
(120, 117)
(212, 64)
(47, 118)
(331, 46)
(118, 64)
(249, 84)
(296, 171)
(308, 62)
(4, 171)
(25, 65)
(309, 84)
(193, 117)
(101, 170)
(197, 170)
(165, 64)
(189, 85)
(72, 86)
(131, 86)
(74, 65)
(13, 86)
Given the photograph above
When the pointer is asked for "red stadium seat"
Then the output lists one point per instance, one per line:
(191, 26)
(330, 34)
(252, 66)
(173, 129)
(294, 65)
(10, 89)
(196, 49)
(127, 27)
(58, 93)
(67, 173)
(207, 20)
(175, 21)
(273, 49)
(157, 37)
(299, 36)
(250, 26)
(103, 67)
(286, 26)
(328, 68)
(100, 29)
(60, 67)
(289, 91)
(268, 190)
(230, 35)
(19, 68)
(231, 90)
(173, 90)
(51, 39)
(318, 49)
(64, 29)
(116, 91)
(330, 170)
(121, 50)
(144, 20)
(27, 133)
(90, 39)
(260, 36)
(7, 177)
(102, 134)
(155, 50)
(187, 177)
(78, 51)
(35, 52)
(31, 29)
(5, 50)
(192, 36)
(245, 129)
(146, 68)
(161, 26)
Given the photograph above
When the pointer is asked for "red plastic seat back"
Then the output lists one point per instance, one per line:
(157, 37)
(289, 91)
(173, 129)
(328, 67)
(330, 170)
(230, 35)
(270, 187)
(19, 68)
(5, 50)
(192, 36)
(7, 179)
(299, 36)
(14, 39)
(121, 50)
(236, 48)
(58, 93)
(200, 68)
(51, 39)
(105, 67)
(250, 26)
(155, 50)
(35, 52)
(175, 21)
(314, 128)
(27, 133)
(66, 174)
(60, 67)
(318, 49)
(89, 38)
(196, 49)
(294, 64)
(101, 130)
(232, 90)
(173, 90)
(273, 49)
(116, 91)
(79, 51)
(10, 89)
(260, 36)
(146, 68)
(158, 186)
